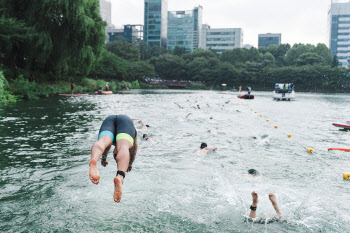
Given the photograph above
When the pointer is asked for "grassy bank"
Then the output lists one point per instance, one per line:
(22, 89)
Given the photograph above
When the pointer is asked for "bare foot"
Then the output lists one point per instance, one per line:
(273, 199)
(118, 183)
(94, 175)
(255, 199)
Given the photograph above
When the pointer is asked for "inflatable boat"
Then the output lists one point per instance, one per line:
(247, 97)
(341, 126)
(78, 94)
(104, 93)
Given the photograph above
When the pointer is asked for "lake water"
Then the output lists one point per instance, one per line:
(45, 151)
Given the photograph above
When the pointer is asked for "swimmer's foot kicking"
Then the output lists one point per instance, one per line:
(273, 200)
(254, 205)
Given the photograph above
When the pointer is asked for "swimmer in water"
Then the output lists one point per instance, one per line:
(198, 106)
(188, 115)
(253, 207)
(146, 137)
(179, 105)
(144, 126)
(253, 172)
(117, 130)
(204, 149)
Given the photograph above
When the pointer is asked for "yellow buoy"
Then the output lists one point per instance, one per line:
(276, 126)
(267, 120)
(251, 109)
(346, 176)
(260, 115)
(255, 112)
(289, 135)
(310, 150)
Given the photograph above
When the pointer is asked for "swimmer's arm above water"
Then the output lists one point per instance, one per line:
(212, 148)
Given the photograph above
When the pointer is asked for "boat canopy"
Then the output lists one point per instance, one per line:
(283, 86)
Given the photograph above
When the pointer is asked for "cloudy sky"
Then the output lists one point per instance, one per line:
(299, 21)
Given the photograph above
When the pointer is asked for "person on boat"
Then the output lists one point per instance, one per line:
(204, 149)
(240, 88)
(100, 91)
(292, 86)
(117, 130)
(72, 85)
(249, 90)
(254, 206)
(107, 86)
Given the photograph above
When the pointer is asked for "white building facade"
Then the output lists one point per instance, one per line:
(339, 31)
(106, 12)
(221, 39)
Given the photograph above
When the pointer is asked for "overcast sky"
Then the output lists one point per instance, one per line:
(299, 21)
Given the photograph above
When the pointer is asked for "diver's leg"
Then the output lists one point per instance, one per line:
(273, 200)
(254, 204)
(122, 160)
(104, 161)
(96, 152)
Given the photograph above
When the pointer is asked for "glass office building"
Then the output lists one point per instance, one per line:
(155, 23)
(221, 39)
(265, 40)
(339, 31)
(184, 29)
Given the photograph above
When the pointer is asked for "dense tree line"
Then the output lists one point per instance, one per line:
(63, 38)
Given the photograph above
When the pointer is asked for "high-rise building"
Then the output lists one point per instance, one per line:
(265, 40)
(184, 29)
(106, 12)
(155, 23)
(132, 33)
(339, 31)
(221, 39)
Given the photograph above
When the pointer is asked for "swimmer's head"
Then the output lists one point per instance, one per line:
(211, 118)
(253, 172)
(145, 135)
(204, 145)
(148, 126)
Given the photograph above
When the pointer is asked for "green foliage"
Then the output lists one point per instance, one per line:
(5, 96)
(197, 86)
(135, 85)
(55, 36)
(121, 48)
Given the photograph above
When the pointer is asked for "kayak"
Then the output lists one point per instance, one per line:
(341, 149)
(78, 94)
(105, 93)
(247, 97)
(341, 126)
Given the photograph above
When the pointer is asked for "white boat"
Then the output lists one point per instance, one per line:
(283, 91)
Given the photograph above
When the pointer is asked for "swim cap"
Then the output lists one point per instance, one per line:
(148, 126)
(204, 145)
(145, 135)
(253, 172)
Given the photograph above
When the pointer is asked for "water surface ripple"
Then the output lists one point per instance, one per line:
(46, 145)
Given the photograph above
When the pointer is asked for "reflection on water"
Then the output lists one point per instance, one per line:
(45, 153)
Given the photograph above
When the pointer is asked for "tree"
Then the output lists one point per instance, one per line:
(335, 61)
(309, 59)
(60, 36)
(123, 49)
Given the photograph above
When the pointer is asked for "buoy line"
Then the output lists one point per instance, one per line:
(346, 176)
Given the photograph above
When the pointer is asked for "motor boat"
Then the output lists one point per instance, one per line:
(283, 91)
